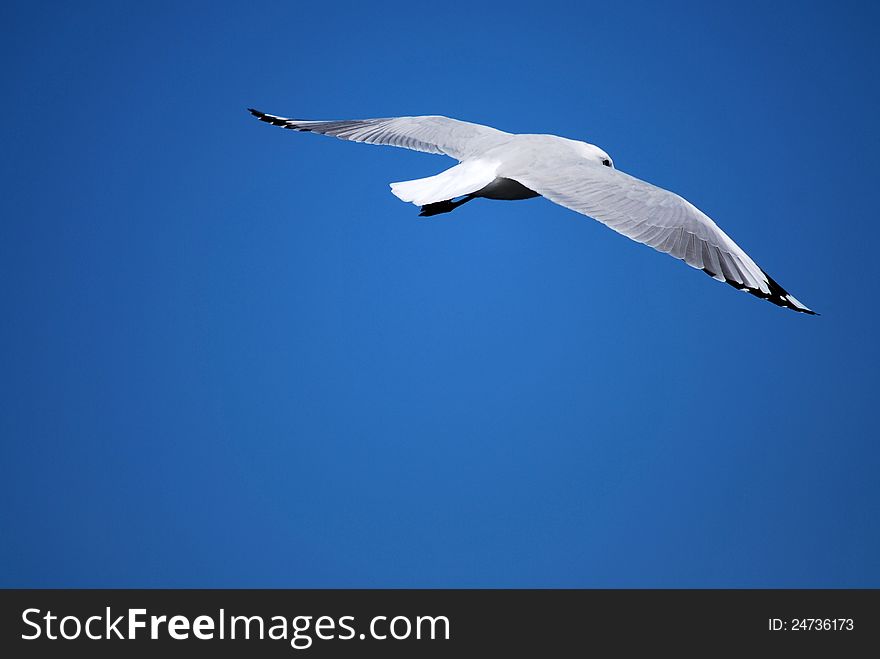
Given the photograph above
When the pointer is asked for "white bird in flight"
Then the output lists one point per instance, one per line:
(580, 176)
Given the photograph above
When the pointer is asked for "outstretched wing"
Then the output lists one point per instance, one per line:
(431, 134)
(653, 216)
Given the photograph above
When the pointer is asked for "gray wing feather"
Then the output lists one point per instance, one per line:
(653, 216)
(430, 134)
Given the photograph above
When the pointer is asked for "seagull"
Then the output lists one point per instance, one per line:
(493, 164)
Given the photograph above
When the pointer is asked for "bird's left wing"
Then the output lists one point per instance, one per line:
(431, 134)
(650, 215)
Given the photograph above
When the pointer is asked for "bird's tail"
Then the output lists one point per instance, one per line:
(463, 179)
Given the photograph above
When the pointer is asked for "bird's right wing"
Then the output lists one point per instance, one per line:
(650, 215)
(431, 134)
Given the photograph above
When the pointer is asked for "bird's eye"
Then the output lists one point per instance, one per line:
(606, 162)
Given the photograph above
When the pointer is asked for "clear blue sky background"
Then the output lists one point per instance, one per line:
(230, 357)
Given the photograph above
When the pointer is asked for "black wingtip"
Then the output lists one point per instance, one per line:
(783, 296)
(276, 121)
(777, 295)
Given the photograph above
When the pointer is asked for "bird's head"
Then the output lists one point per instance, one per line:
(594, 154)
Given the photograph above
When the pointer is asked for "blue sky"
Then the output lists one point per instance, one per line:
(232, 358)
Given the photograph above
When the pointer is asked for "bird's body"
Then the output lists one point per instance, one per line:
(497, 165)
